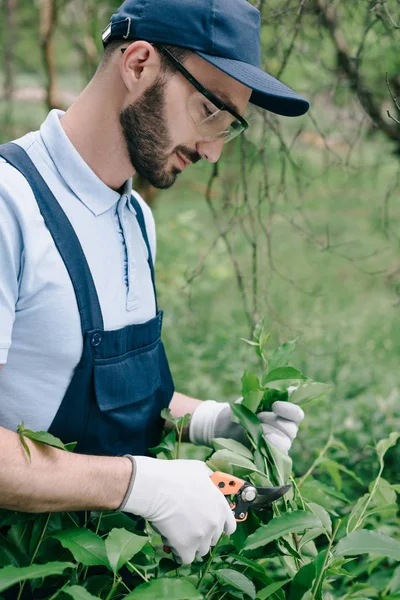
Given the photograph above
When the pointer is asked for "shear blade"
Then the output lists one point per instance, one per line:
(266, 495)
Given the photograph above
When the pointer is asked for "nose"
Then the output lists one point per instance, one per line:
(210, 151)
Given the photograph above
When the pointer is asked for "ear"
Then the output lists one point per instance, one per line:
(139, 66)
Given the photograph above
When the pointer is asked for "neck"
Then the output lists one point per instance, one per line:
(92, 126)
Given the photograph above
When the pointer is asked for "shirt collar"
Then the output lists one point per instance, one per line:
(77, 174)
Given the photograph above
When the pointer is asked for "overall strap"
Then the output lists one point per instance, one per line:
(142, 225)
(64, 237)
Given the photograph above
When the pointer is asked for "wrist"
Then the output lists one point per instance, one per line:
(118, 482)
(203, 420)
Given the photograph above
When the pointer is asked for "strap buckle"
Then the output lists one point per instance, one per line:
(108, 31)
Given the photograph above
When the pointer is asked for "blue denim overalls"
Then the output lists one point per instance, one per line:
(122, 382)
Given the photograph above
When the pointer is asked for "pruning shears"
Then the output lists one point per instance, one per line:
(242, 495)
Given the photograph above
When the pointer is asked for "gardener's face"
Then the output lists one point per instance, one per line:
(160, 126)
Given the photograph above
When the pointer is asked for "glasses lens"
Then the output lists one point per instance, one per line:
(212, 123)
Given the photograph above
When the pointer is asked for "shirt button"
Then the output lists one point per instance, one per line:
(96, 339)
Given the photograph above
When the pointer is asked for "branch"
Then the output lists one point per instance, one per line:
(349, 66)
(394, 100)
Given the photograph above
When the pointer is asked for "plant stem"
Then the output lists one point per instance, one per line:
(315, 463)
(97, 529)
(178, 446)
(211, 590)
(122, 582)
(21, 589)
(208, 564)
(361, 517)
(72, 519)
(318, 580)
(98, 522)
(293, 482)
(59, 591)
(138, 572)
(114, 585)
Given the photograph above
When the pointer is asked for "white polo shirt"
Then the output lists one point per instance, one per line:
(40, 331)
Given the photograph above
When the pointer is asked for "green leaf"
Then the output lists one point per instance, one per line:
(86, 547)
(121, 545)
(383, 445)
(165, 588)
(11, 575)
(282, 374)
(306, 392)
(333, 467)
(261, 337)
(249, 382)
(43, 437)
(167, 445)
(11, 554)
(229, 462)
(322, 515)
(280, 356)
(258, 329)
(233, 446)
(236, 580)
(296, 521)
(271, 589)
(20, 431)
(249, 421)
(395, 583)
(365, 541)
(284, 543)
(282, 461)
(387, 511)
(252, 400)
(177, 421)
(320, 572)
(384, 493)
(70, 447)
(302, 581)
(357, 510)
(270, 396)
(251, 564)
(194, 452)
(78, 592)
(326, 496)
(264, 339)
(249, 342)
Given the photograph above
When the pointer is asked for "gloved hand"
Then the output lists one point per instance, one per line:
(181, 503)
(214, 419)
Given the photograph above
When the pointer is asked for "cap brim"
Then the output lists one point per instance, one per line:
(268, 92)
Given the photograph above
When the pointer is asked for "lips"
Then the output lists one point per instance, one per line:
(183, 160)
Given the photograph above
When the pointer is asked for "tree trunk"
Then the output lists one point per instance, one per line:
(349, 67)
(48, 20)
(8, 62)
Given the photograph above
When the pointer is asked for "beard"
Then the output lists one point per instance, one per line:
(146, 134)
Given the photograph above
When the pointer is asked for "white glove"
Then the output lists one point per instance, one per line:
(181, 502)
(214, 419)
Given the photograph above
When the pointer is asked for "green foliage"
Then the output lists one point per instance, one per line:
(313, 541)
(11, 575)
(329, 275)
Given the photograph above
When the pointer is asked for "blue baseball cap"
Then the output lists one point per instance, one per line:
(226, 33)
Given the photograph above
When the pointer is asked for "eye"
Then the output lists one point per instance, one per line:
(207, 111)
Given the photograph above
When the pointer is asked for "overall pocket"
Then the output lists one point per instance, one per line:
(127, 379)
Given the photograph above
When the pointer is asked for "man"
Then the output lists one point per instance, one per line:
(80, 329)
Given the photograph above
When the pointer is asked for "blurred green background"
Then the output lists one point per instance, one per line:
(298, 223)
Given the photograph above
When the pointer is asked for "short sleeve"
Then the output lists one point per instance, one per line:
(149, 222)
(11, 246)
